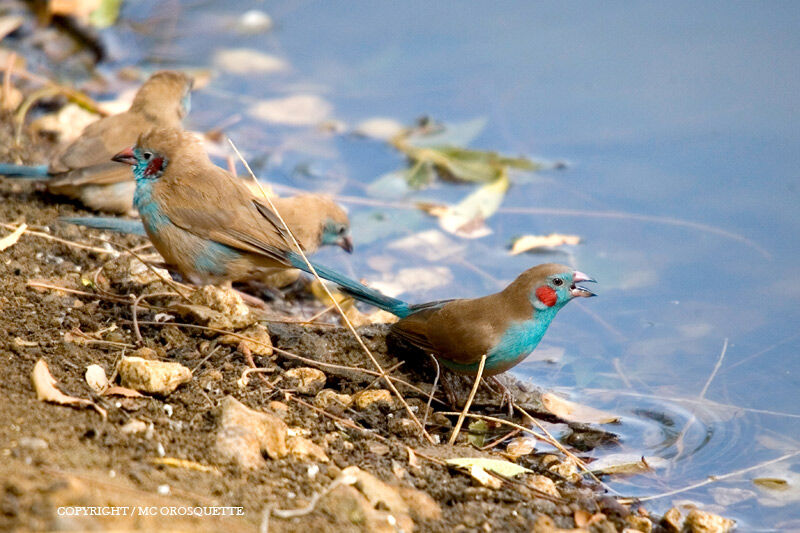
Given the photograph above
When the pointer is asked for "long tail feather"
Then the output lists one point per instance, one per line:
(23, 171)
(357, 290)
(119, 225)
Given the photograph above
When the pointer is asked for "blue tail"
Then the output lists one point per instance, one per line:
(355, 289)
(119, 225)
(24, 171)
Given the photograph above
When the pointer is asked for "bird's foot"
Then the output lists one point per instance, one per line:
(505, 396)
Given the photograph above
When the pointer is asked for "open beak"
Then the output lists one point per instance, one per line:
(346, 244)
(576, 291)
(126, 156)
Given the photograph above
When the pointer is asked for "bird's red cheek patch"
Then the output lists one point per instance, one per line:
(547, 296)
(154, 166)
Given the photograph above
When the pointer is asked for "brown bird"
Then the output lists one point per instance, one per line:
(208, 225)
(83, 170)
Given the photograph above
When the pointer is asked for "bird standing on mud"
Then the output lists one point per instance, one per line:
(83, 170)
(208, 225)
(505, 326)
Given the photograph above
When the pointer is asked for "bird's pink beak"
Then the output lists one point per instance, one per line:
(126, 156)
(581, 292)
(346, 244)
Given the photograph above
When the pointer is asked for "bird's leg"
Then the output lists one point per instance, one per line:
(505, 397)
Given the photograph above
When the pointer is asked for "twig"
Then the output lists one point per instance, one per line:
(714, 479)
(335, 302)
(433, 389)
(293, 513)
(467, 405)
(62, 241)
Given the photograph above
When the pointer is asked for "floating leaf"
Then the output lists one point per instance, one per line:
(295, 110)
(420, 175)
(454, 134)
(498, 466)
(477, 432)
(106, 14)
(246, 61)
(627, 464)
(389, 185)
(771, 483)
(466, 219)
(380, 128)
(575, 412)
(46, 391)
(527, 243)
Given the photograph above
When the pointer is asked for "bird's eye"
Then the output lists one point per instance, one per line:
(342, 230)
(147, 155)
(558, 282)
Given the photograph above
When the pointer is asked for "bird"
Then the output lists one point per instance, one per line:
(208, 225)
(83, 170)
(505, 326)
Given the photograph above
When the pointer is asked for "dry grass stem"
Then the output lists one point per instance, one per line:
(467, 405)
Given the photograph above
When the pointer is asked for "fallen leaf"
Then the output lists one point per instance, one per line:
(771, 483)
(477, 432)
(626, 464)
(498, 466)
(12, 238)
(295, 110)
(575, 412)
(527, 243)
(122, 391)
(466, 219)
(9, 24)
(75, 8)
(106, 14)
(46, 390)
(520, 446)
(246, 61)
(183, 463)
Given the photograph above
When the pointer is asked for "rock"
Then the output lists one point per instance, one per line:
(96, 378)
(305, 380)
(280, 408)
(639, 523)
(703, 522)
(368, 398)
(379, 493)
(145, 353)
(346, 509)
(421, 504)
(672, 520)
(216, 308)
(32, 443)
(154, 377)
(244, 434)
(543, 484)
(303, 449)
(133, 426)
(332, 401)
(565, 468)
(260, 345)
(404, 427)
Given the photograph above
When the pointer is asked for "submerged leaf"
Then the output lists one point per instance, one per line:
(575, 412)
(771, 483)
(295, 110)
(466, 219)
(246, 61)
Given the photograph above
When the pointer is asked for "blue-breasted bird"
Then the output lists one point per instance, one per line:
(506, 326)
(208, 225)
(83, 170)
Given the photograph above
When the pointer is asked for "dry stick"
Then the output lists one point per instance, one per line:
(467, 405)
(134, 312)
(62, 241)
(335, 302)
(287, 353)
(713, 479)
(433, 389)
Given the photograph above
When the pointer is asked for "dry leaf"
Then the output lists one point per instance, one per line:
(183, 463)
(498, 466)
(379, 128)
(12, 238)
(626, 464)
(484, 478)
(122, 391)
(527, 243)
(9, 24)
(575, 412)
(520, 446)
(245, 61)
(467, 218)
(46, 390)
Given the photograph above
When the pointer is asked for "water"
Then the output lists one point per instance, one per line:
(681, 112)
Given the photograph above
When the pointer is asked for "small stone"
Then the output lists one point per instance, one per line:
(217, 308)
(32, 443)
(543, 484)
(704, 522)
(421, 504)
(305, 380)
(145, 353)
(154, 377)
(403, 427)
(672, 520)
(260, 344)
(96, 378)
(346, 509)
(332, 401)
(378, 448)
(520, 446)
(381, 494)
(304, 449)
(367, 398)
(639, 523)
(244, 434)
(565, 468)
(133, 426)
(280, 408)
